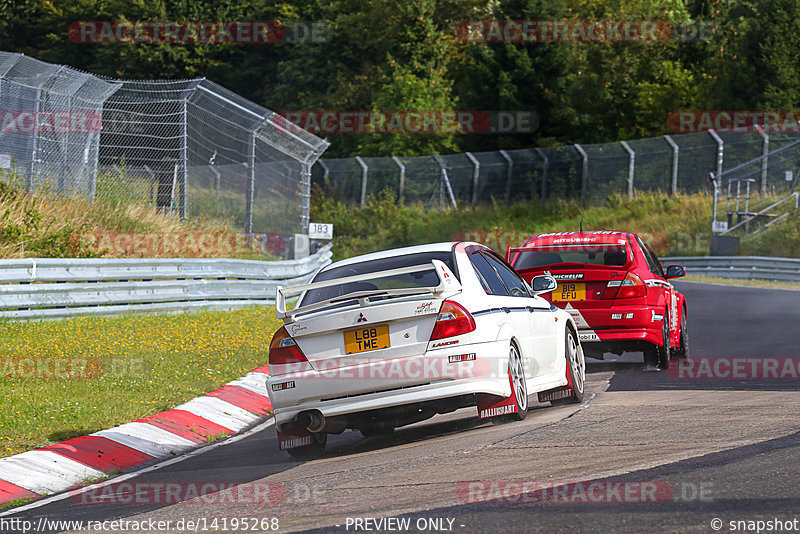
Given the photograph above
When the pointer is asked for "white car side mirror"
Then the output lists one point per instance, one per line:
(542, 284)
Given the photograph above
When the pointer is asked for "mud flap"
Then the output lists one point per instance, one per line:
(562, 392)
(494, 405)
(297, 436)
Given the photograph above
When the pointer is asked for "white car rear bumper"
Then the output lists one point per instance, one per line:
(386, 383)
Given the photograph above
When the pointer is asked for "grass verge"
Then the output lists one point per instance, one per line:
(62, 379)
(673, 225)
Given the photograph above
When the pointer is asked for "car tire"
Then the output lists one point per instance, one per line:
(516, 373)
(656, 356)
(312, 451)
(576, 367)
(682, 351)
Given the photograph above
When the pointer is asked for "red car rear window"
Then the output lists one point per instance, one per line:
(606, 255)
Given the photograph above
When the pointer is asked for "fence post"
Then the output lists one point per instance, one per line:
(305, 208)
(584, 173)
(631, 167)
(326, 175)
(364, 171)
(35, 148)
(401, 189)
(217, 180)
(544, 174)
(675, 149)
(445, 182)
(251, 184)
(509, 175)
(764, 162)
(476, 173)
(184, 159)
(720, 149)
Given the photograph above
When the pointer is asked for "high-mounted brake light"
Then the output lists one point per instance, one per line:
(284, 351)
(632, 286)
(453, 320)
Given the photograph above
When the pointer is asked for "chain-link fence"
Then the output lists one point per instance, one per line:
(190, 147)
(670, 164)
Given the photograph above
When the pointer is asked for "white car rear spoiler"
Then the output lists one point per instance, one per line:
(447, 284)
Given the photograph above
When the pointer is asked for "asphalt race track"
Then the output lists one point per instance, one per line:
(647, 452)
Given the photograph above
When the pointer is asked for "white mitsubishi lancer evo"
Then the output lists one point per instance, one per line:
(387, 339)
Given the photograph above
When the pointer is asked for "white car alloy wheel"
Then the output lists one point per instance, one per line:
(576, 363)
(576, 367)
(517, 370)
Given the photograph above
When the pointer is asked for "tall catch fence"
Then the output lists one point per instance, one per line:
(669, 164)
(190, 147)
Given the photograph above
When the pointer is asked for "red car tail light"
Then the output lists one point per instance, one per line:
(632, 286)
(284, 351)
(453, 320)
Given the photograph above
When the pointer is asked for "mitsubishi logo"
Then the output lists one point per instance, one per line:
(361, 318)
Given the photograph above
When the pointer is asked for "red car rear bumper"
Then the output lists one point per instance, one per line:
(618, 323)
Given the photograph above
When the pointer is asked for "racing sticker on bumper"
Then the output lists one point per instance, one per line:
(577, 316)
(588, 335)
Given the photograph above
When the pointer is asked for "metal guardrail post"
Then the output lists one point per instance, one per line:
(675, 153)
(509, 175)
(364, 172)
(401, 187)
(765, 161)
(631, 166)
(584, 173)
(476, 174)
(251, 184)
(546, 163)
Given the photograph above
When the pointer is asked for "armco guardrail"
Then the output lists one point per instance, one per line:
(51, 288)
(744, 267)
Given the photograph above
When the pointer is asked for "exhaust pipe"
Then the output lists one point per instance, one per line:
(314, 421)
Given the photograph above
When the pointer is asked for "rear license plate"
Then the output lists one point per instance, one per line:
(570, 291)
(365, 339)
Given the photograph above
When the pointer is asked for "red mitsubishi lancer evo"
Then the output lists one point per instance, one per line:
(614, 286)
